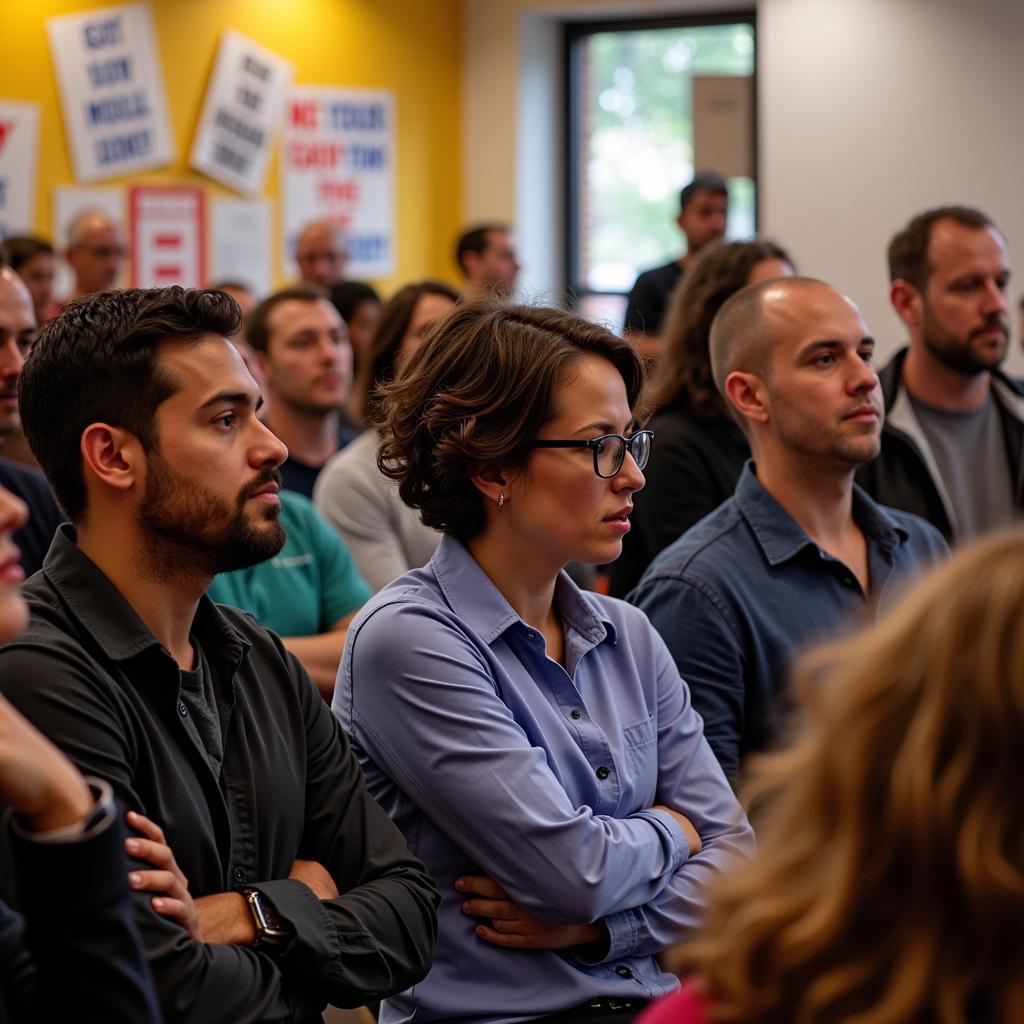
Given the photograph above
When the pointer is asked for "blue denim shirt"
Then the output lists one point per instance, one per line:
(495, 760)
(743, 592)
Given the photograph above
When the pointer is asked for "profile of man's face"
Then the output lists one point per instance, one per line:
(17, 332)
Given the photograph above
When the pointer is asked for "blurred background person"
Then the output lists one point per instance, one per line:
(31, 258)
(700, 449)
(385, 536)
(888, 886)
(487, 256)
(703, 214)
(320, 253)
(96, 252)
(359, 306)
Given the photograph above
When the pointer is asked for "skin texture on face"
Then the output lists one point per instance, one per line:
(963, 317)
(308, 362)
(429, 307)
(97, 256)
(37, 273)
(13, 610)
(496, 268)
(210, 501)
(320, 253)
(17, 332)
(558, 508)
(703, 220)
(821, 400)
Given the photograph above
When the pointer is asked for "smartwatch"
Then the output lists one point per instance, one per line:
(271, 932)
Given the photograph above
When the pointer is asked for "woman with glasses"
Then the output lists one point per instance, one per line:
(534, 742)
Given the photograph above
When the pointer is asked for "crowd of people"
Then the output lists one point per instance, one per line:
(347, 660)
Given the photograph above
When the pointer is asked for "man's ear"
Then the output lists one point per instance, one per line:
(113, 456)
(907, 301)
(491, 483)
(746, 393)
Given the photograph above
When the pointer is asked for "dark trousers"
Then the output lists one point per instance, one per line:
(599, 1011)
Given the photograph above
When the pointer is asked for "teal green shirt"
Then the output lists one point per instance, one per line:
(311, 584)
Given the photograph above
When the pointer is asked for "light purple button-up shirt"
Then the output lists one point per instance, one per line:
(495, 760)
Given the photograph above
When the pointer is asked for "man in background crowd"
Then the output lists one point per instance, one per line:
(703, 211)
(31, 258)
(96, 253)
(306, 361)
(486, 255)
(320, 253)
(953, 442)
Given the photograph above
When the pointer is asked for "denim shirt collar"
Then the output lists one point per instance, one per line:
(781, 537)
(111, 620)
(478, 602)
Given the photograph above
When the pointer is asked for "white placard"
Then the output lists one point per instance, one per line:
(68, 203)
(168, 244)
(241, 114)
(241, 243)
(19, 155)
(337, 163)
(111, 91)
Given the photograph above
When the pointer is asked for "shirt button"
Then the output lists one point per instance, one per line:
(602, 773)
(531, 636)
(182, 710)
(623, 972)
(576, 713)
(239, 874)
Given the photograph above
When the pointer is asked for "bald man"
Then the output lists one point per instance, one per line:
(17, 332)
(96, 252)
(799, 552)
(320, 253)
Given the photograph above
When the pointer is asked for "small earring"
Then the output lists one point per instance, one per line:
(501, 500)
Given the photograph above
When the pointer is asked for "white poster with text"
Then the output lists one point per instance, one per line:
(168, 239)
(337, 163)
(112, 91)
(241, 114)
(241, 243)
(19, 154)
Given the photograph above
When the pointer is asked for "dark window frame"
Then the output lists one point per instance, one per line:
(572, 33)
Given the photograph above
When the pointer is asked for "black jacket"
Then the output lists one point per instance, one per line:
(903, 475)
(93, 678)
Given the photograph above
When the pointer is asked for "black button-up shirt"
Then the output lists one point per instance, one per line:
(91, 675)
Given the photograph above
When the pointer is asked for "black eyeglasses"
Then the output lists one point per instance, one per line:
(609, 450)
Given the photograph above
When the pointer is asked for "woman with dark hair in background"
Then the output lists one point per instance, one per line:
(384, 535)
(359, 306)
(533, 741)
(700, 449)
(888, 886)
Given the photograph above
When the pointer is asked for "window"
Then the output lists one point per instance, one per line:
(631, 146)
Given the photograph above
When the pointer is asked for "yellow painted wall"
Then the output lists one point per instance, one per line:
(412, 47)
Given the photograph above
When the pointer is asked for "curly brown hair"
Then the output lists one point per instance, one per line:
(683, 378)
(889, 883)
(475, 394)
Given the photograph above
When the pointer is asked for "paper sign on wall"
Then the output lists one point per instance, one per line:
(112, 91)
(337, 160)
(241, 243)
(19, 152)
(241, 113)
(167, 237)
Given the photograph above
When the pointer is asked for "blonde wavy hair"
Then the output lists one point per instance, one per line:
(889, 883)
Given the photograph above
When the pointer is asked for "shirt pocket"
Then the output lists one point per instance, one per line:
(639, 742)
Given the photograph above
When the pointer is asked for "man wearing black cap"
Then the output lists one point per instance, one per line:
(703, 206)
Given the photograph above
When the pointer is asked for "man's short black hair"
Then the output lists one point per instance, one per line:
(908, 250)
(96, 362)
(475, 239)
(708, 181)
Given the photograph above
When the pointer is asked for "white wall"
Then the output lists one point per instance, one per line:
(869, 111)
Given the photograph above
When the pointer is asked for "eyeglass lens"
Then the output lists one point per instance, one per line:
(613, 452)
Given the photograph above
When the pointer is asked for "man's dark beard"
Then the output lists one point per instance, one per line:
(960, 357)
(208, 533)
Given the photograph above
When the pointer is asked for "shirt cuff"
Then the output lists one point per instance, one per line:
(99, 818)
(623, 935)
(669, 827)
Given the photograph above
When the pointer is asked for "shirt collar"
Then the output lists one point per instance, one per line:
(781, 537)
(478, 602)
(112, 622)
